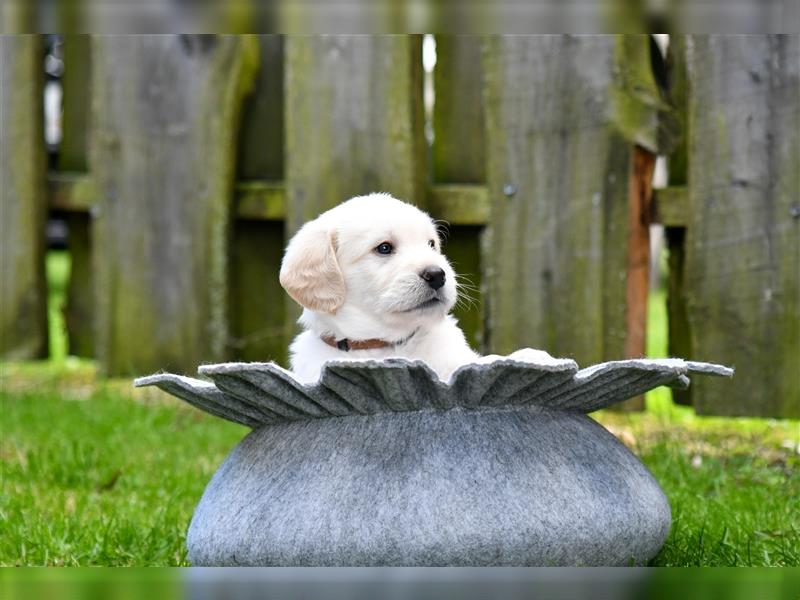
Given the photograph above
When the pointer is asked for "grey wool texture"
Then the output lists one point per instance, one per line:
(382, 463)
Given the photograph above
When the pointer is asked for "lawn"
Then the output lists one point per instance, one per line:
(96, 473)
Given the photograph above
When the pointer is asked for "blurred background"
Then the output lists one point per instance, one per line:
(604, 197)
(152, 182)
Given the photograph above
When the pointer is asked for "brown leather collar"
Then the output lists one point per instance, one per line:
(348, 345)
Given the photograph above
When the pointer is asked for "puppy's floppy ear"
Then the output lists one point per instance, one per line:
(310, 272)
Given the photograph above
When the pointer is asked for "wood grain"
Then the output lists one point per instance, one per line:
(73, 157)
(459, 149)
(556, 251)
(743, 237)
(162, 160)
(672, 210)
(354, 121)
(23, 294)
(640, 195)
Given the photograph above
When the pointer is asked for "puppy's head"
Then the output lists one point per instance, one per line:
(371, 258)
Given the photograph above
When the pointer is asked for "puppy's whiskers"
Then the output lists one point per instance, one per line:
(466, 288)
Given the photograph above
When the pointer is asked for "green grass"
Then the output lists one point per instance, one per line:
(95, 473)
(104, 479)
(733, 483)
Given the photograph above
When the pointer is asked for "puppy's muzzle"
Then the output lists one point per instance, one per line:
(433, 276)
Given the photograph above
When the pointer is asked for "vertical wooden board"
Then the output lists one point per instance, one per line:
(354, 121)
(76, 85)
(18, 16)
(616, 190)
(73, 155)
(679, 339)
(257, 300)
(261, 139)
(79, 311)
(743, 244)
(678, 91)
(640, 196)
(557, 171)
(165, 112)
(459, 153)
(23, 294)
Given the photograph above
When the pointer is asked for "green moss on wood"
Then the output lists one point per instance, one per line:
(743, 242)
(459, 204)
(638, 109)
(458, 120)
(76, 116)
(257, 200)
(671, 206)
(23, 310)
(163, 157)
(555, 251)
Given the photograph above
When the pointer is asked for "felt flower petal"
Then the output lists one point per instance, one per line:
(206, 397)
(258, 394)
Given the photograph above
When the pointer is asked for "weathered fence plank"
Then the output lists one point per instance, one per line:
(261, 139)
(676, 199)
(164, 108)
(23, 294)
(18, 17)
(79, 308)
(354, 121)
(73, 151)
(743, 244)
(459, 150)
(640, 193)
(73, 156)
(256, 298)
(558, 173)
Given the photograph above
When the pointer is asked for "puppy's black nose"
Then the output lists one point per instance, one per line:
(434, 276)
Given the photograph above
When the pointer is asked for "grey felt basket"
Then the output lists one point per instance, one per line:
(382, 463)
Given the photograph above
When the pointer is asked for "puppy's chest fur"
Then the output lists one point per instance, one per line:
(441, 345)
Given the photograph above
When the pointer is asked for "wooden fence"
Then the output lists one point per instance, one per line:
(187, 161)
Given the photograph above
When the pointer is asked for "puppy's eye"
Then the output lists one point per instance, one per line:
(384, 248)
(432, 244)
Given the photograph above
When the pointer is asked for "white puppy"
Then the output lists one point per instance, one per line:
(373, 282)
